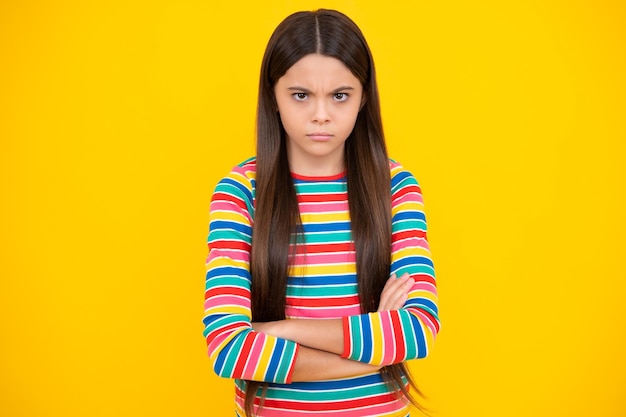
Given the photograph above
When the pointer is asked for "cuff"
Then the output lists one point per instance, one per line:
(347, 337)
(293, 364)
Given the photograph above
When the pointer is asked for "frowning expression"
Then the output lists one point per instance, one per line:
(318, 100)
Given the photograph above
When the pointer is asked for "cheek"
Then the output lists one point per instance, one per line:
(291, 121)
(286, 116)
(348, 119)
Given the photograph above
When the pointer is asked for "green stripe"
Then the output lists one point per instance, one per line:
(409, 334)
(334, 395)
(321, 188)
(221, 234)
(285, 361)
(234, 351)
(321, 291)
(423, 269)
(416, 269)
(356, 337)
(398, 226)
(231, 189)
(229, 281)
(334, 237)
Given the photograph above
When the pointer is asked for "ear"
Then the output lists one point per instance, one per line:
(363, 101)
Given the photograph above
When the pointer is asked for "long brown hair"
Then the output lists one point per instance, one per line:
(277, 217)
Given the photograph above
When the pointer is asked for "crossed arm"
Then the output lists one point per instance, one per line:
(403, 328)
(322, 340)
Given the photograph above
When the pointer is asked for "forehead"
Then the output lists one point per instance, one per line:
(315, 68)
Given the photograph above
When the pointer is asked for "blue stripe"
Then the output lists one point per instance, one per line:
(411, 261)
(332, 385)
(219, 361)
(227, 271)
(409, 215)
(401, 176)
(272, 367)
(239, 186)
(327, 227)
(304, 281)
(419, 336)
(368, 344)
(230, 225)
(424, 303)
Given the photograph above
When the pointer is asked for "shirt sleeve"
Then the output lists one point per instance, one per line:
(235, 350)
(388, 337)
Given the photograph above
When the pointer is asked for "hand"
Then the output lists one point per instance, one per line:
(395, 292)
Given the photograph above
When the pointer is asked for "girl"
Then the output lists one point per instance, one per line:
(319, 281)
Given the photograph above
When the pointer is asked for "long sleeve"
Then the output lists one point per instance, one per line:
(234, 348)
(388, 337)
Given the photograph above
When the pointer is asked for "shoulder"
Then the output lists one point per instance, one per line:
(246, 169)
(244, 172)
(400, 176)
(240, 181)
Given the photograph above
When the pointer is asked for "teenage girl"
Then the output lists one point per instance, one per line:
(319, 281)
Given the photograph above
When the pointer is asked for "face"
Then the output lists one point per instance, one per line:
(318, 100)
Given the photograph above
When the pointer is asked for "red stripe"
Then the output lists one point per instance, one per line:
(346, 337)
(329, 405)
(230, 198)
(408, 234)
(293, 367)
(398, 336)
(243, 355)
(222, 330)
(412, 188)
(323, 302)
(229, 244)
(237, 291)
(325, 248)
(430, 317)
(424, 278)
(321, 198)
(324, 406)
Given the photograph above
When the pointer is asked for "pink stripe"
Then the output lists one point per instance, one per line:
(325, 258)
(382, 410)
(409, 243)
(425, 319)
(255, 353)
(389, 348)
(224, 205)
(221, 205)
(408, 197)
(424, 286)
(330, 207)
(218, 341)
(237, 255)
(224, 300)
(322, 313)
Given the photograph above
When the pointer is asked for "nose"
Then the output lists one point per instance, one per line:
(321, 113)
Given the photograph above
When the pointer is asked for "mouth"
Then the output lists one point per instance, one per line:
(319, 136)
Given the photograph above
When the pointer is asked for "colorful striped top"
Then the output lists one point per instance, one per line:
(322, 284)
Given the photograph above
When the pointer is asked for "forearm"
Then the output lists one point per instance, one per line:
(319, 334)
(316, 365)
(329, 334)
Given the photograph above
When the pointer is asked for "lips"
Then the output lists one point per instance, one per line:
(319, 136)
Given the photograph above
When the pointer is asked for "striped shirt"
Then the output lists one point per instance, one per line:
(322, 283)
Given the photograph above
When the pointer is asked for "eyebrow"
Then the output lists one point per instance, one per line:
(306, 90)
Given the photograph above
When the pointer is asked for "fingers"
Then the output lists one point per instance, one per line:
(395, 293)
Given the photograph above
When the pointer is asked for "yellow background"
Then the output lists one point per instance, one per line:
(118, 118)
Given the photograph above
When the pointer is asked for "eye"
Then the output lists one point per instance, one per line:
(300, 96)
(340, 97)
